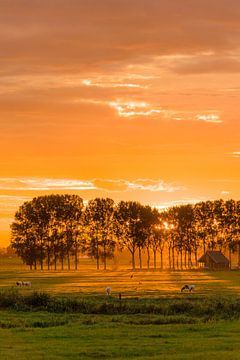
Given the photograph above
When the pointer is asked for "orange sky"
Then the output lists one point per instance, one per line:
(131, 99)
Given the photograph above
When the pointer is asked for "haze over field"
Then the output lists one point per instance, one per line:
(134, 100)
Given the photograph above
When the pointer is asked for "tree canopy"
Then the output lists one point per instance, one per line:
(53, 229)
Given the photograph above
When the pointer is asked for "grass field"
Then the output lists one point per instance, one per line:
(190, 330)
(102, 337)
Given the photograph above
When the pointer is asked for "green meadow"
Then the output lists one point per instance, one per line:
(68, 315)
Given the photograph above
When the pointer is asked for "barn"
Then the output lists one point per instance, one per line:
(214, 260)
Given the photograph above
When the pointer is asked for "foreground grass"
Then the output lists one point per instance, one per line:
(78, 336)
(73, 327)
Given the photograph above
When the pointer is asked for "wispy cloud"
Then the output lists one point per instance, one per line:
(225, 193)
(236, 154)
(88, 82)
(152, 185)
(167, 204)
(37, 184)
(133, 108)
(136, 108)
(44, 184)
(209, 118)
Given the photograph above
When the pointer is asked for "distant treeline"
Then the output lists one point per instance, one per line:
(51, 230)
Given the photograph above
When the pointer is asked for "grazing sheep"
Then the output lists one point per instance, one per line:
(190, 288)
(108, 290)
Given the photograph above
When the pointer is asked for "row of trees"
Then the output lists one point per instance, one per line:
(53, 229)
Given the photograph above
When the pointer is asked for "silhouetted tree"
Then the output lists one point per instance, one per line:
(128, 215)
(100, 229)
(45, 227)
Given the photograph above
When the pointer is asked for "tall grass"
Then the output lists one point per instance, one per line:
(206, 308)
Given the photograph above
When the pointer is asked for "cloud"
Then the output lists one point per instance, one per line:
(224, 192)
(136, 108)
(151, 185)
(207, 64)
(167, 204)
(236, 154)
(210, 118)
(88, 82)
(44, 184)
(132, 108)
(40, 36)
(39, 184)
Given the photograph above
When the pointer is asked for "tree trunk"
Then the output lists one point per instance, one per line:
(181, 258)
(68, 259)
(48, 259)
(55, 262)
(148, 258)
(173, 259)
(161, 256)
(189, 259)
(133, 260)
(62, 265)
(140, 257)
(41, 261)
(169, 258)
(97, 259)
(155, 259)
(177, 259)
(97, 256)
(76, 257)
(105, 263)
(239, 254)
(196, 258)
(230, 258)
(104, 257)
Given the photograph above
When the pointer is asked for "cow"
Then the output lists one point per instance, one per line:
(27, 283)
(190, 288)
(19, 283)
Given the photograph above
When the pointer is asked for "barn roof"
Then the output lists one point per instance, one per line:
(216, 256)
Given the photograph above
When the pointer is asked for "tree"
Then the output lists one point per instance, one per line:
(70, 219)
(127, 217)
(134, 227)
(100, 229)
(44, 228)
(149, 219)
(205, 224)
(24, 236)
(158, 239)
